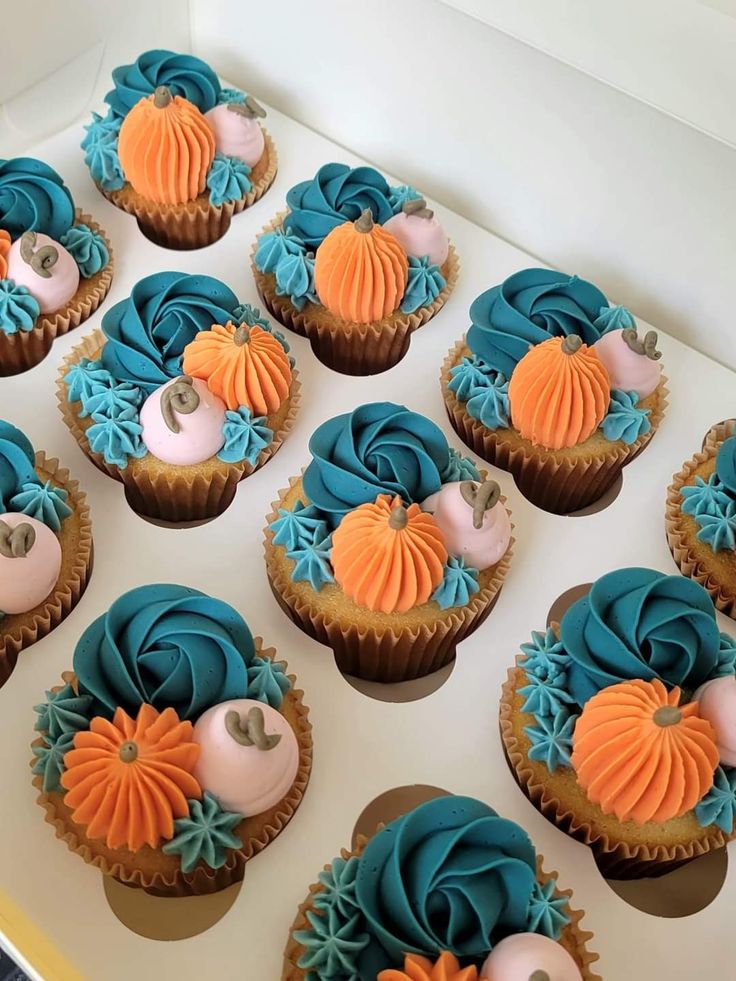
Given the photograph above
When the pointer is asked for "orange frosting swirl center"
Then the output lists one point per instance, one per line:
(388, 557)
(242, 365)
(641, 755)
(418, 968)
(559, 393)
(127, 780)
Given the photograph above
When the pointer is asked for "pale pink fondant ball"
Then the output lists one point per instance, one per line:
(420, 236)
(480, 547)
(627, 370)
(717, 702)
(235, 134)
(245, 779)
(517, 957)
(200, 433)
(26, 582)
(51, 292)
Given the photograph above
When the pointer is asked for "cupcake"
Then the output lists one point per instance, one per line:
(55, 263)
(555, 386)
(184, 393)
(390, 548)
(177, 150)
(618, 723)
(177, 749)
(449, 883)
(701, 517)
(355, 265)
(45, 545)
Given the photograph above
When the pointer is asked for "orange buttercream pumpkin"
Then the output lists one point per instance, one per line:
(166, 148)
(559, 393)
(360, 271)
(388, 557)
(242, 365)
(5, 243)
(640, 755)
(128, 780)
(417, 968)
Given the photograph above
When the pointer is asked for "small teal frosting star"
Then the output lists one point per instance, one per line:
(459, 468)
(469, 374)
(49, 762)
(624, 420)
(726, 663)
(298, 527)
(545, 697)
(719, 804)
(111, 401)
(719, 530)
(545, 657)
(489, 404)
(312, 562)
(118, 438)
(547, 912)
(44, 502)
(85, 378)
(245, 436)
(400, 194)
(333, 946)
(64, 711)
(338, 882)
(704, 497)
(267, 681)
(459, 583)
(205, 835)
(551, 740)
(614, 318)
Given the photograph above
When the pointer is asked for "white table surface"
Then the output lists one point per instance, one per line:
(362, 747)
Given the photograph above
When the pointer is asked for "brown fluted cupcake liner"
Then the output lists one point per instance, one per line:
(162, 491)
(715, 571)
(378, 647)
(555, 480)
(24, 349)
(350, 348)
(622, 850)
(20, 630)
(159, 874)
(197, 223)
(574, 939)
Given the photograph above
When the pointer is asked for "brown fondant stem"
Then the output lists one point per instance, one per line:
(399, 518)
(571, 343)
(181, 398)
(365, 222)
(241, 335)
(668, 715)
(16, 543)
(418, 208)
(481, 498)
(539, 976)
(128, 752)
(647, 347)
(161, 96)
(42, 260)
(252, 732)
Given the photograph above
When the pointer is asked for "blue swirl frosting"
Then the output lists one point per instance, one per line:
(33, 198)
(18, 309)
(530, 307)
(100, 146)
(146, 334)
(449, 875)
(44, 502)
(336, 194)
(227, 179)
(245, 436)
(379, 448)
(624, 420)
(459, 583)
(87, 248)
(726, 663)
(167, 645)
(17, 464)
(183, 74)
(424, 284)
